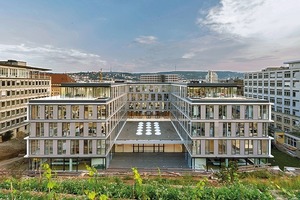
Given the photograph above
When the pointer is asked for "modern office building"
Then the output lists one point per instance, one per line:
(159, 78)
(91, 122)
(19, 83)
(281, 86)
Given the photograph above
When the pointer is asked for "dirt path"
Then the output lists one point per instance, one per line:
(9, 154)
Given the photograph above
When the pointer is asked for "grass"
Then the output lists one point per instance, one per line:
(283, 160)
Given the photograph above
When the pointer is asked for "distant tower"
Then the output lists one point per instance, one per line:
(100, 76)
(212, 77)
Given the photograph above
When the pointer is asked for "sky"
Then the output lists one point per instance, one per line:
(150, 35)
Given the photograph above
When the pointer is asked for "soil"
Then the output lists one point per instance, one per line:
(12, 154)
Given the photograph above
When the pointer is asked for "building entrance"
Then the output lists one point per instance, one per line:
(148, 148)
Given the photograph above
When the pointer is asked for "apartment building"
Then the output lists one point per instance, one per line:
(279, 85)
(89, 122)
(19, 83)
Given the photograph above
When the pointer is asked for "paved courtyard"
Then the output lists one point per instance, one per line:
(148, 160)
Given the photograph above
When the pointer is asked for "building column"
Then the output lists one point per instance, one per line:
(70, 164)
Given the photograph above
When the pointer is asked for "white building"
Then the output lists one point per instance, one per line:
(205, 122)
(279, 85)
(211, 77)
(18, 84)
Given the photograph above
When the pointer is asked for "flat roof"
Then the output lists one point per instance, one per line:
(227, 100)
(25, 67)
(137, 132)
(59, 99)
(90, 84)
(292, 62)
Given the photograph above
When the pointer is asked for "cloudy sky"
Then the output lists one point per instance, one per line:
(150, 35)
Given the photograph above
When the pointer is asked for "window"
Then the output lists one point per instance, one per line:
(34, 147)
(75, 112)
(101, 112)
(74, 147)
(100, 147)
(209, 146)
(62, 112)
(48, 148)
(222, 146)
(235, 147)
(209, 111)
(61, 147)
(39, 129)
(240, 129)
(87, 147)
(52, 129)
(88, 112)
(222, 111)
(248, 147)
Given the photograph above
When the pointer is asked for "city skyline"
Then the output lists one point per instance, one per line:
(150, 36)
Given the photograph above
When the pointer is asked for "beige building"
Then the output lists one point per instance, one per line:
(19, 83)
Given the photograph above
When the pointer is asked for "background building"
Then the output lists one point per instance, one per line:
(279, 85)
(211, 77)
(19, 83)
(159, 78)
(57, 80)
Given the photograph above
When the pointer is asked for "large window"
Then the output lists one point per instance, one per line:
(65, 129)
(235, 112)
(240, 129)
(222, 146)
(209, 111)
(248, 147)
(35, 112)
(198, 129)
(88, 112)
(48, 112)
(34, 147)
(209, 146)
(196, 147)
(52, 129)
(61, 147)
(196, 111)
(48, 148)
(74, 147)
(75, 112)
(223, 112)
(92, 129)
(87, 147)
(79, 129)
(62, 112)
(101, 112)
(39, 129)
(249, 112)
(235, 147)
(226, 129)
(100, 147)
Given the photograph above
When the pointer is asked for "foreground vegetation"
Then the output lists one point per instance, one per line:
(228, 185)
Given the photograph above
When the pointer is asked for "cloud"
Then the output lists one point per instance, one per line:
(146, 39)
(188, 55)
(263, 19)
(47, 56)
